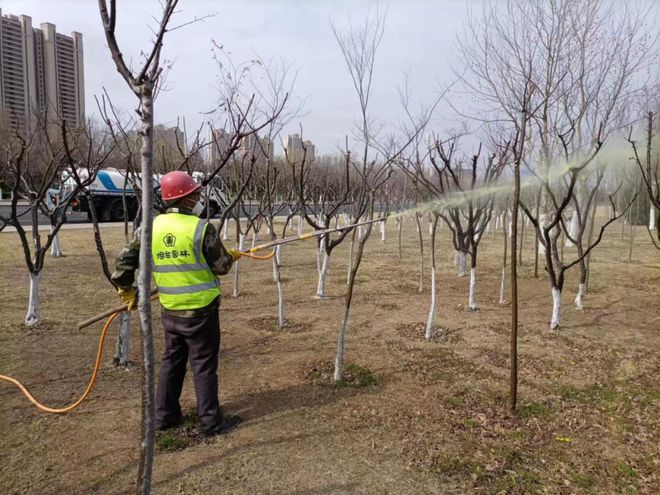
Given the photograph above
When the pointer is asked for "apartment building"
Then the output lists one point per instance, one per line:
(297, 149)
(41, 72)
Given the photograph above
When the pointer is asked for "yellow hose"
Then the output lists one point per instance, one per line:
(249, 254)
(90, 385)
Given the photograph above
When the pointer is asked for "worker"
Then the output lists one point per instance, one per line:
(187, 256)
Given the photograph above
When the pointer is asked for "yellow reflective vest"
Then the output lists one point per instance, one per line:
(182, 274)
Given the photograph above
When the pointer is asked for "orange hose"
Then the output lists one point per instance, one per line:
(248, 254)
(90, 385)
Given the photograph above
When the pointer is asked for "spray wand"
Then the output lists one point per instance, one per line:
(303, 237)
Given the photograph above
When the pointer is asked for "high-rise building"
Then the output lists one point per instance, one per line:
(297, 149)
(219, 139)
(41, 72)
(253, 145)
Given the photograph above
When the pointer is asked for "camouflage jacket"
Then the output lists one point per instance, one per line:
(217, 257)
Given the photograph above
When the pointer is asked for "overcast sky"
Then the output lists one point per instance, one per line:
(420, 37)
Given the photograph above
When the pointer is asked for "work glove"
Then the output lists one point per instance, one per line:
(235, 254)
(128, 296)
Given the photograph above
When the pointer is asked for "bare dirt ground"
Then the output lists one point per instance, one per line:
(418, 417)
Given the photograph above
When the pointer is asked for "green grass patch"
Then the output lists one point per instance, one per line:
(189, 420)
(357, 376)
(592, 394)
(534, 410)
(626, 470)
(170, 442)
(471, 423)
(453, 402)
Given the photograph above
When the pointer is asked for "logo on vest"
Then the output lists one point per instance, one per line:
(169, 240)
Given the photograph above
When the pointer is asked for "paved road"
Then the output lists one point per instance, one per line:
(74, 219)
(26, 219)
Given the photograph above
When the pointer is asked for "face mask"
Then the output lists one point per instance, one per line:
(198, 209)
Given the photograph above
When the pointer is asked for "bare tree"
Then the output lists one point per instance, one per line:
(649, 168)
(323, 191)
(578, 63)
(467, 211)
(34, 159)
(144, 83)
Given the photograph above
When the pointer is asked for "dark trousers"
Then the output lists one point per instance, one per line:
(197, 338)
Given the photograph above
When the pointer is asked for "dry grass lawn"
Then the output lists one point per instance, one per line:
(415, 417)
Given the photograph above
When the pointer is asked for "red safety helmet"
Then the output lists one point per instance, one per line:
(176, 185)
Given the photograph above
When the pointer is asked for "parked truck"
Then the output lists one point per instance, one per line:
(110, 186)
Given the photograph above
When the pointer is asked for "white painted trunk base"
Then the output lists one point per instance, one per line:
(55, 250)
(382, 231)
(472, 299)
(32, 317)
(652, 219)
(572, 230)
(428, 334)
(579, 299)
(503, 287)
(123, 339)
(542, 224)
(225, 230)
(300, 225)
(556, 308)
(462, 264)
(237, 264)
(320, 289)
(319, 254)
(281, 322)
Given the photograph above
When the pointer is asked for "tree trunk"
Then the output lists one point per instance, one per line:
(420, 286)
(503, 282)
(556, 308)
(382, 231)
(398, 228)
(543, 220)
(33, 317)
(237, 264)
(55, 250)
(537, 242)
(123, 340)
(320, 289)
(572, 229)
(652, 219)
(341, 338)
(300, 225)
(281, 322)
(144, 296)
(522, 240)
(513, 351)
(632, 241)
(351, 244)
(286, 226)
(582, 290)
(590, 236)
(462, 264)
(225, 230)
(428, 334)
(472, 300)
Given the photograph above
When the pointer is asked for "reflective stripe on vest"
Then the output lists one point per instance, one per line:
(182, 274)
